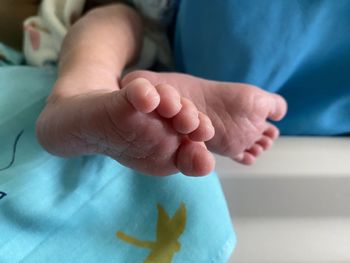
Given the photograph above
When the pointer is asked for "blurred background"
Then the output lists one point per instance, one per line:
(293, 205)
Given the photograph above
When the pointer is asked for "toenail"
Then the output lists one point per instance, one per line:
(141, 80)
(149, 93)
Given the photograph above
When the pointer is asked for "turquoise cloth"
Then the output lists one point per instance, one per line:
(9, 56)
(69, 210)
(298, 48)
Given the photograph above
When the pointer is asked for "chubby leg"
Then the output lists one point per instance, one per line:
(150, 128)
(239, 112)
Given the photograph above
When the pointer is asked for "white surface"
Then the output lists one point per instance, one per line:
(297, 156)
(293, 240)
(293, 205)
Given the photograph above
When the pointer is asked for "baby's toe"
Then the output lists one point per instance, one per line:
(278, 107)
(187, 120)
(245, 158)
(142, 95)
(255, 150)
(170, 101)
(194, 159)
(205, 130)
(250, 155)
(271, 131)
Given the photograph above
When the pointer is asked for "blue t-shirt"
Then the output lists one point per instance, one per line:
(297, 48)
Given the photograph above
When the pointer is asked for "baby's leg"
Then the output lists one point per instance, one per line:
(239, 112)
(145, 127)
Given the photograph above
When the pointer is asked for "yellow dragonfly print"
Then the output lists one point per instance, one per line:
(168, 232)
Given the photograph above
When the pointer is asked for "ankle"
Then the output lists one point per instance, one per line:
(82, 83)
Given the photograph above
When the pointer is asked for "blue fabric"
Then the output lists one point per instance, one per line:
(69, 210)
(298, 48)
(9, 56)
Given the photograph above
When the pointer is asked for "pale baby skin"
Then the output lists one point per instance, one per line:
(156, 123)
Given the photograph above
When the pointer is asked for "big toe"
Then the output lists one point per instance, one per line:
(278, 107)
(142, 95)
(149, 75)
(193, 159)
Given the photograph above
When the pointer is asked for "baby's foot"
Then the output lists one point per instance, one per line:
(239, 112)
(145, 127)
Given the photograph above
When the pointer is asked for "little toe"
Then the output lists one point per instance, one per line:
(245, 158)
(205, 130)
(187, 120)
(170, 101)
(193, 159)
(271, 131)
(278, 107)
(248, 158)
(142, 95)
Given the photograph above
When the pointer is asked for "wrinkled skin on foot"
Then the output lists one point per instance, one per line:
(239, 112)
(148, 128)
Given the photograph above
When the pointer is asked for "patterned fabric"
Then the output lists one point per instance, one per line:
(44, 33)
